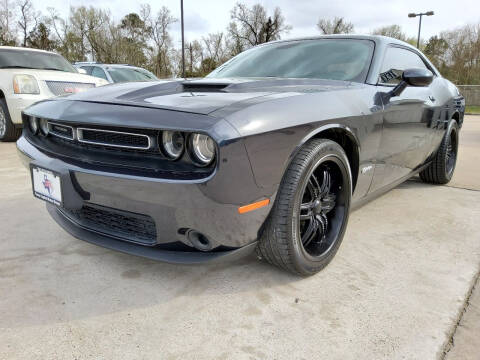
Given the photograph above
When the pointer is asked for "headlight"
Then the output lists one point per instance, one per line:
(25, 84)
(44, 126)
(33, 124)
(172, 144)
(202, 148)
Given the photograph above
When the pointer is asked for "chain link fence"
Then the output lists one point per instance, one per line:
(471, 93)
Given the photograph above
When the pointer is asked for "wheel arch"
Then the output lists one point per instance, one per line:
(345, 137)
(456, 117)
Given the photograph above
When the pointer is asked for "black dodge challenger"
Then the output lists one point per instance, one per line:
(268, 153)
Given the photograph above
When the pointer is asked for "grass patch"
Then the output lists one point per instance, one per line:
(473, 110)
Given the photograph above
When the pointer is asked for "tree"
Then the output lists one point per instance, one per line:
(132, 40)
(134, 26)
(396, 32)
(393, 31)
(462, 58)
(69, 44)
(157, 31)
(436, 49)
(215, 51)
(252, 26)
(336, 26)
(7, 17)
(28, 19)
(193, 58)
(40, 38)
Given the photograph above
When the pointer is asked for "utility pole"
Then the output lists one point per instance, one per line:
(183, 41)
(412, 15)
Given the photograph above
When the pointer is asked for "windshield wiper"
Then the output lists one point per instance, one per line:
(54, 69)
(30, 67)
(15, 67)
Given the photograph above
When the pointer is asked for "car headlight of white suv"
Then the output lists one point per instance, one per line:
(25, 84)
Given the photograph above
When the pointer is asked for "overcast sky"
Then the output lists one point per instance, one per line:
(204, 16)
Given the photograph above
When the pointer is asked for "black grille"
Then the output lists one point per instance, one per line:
(111, 138)
(95, 153)
(115, 223)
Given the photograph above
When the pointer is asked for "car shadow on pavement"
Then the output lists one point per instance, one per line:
(58, 278)
(53, 277)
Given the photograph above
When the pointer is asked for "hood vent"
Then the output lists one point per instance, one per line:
(205, 87)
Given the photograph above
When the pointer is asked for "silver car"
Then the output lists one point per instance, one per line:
(116, 73)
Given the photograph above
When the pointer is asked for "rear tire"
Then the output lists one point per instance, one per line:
(306, 225)
(440, 171)
(8, 132)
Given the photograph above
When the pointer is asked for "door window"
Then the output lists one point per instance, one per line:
(395, 62)
(98, 72)
(88, 69)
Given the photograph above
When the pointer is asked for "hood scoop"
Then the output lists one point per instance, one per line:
(203, 87)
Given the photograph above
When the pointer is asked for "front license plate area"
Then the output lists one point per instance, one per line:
(47, 185)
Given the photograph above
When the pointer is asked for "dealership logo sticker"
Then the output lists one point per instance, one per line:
(73, 90)
(47, 184)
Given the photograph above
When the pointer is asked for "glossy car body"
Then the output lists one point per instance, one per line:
(258, 126)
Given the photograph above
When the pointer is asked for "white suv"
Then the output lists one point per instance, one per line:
(28, 76)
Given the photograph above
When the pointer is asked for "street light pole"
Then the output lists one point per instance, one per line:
(183, 41)
(412, 15)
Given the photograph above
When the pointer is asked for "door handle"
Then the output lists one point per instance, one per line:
(432, 99)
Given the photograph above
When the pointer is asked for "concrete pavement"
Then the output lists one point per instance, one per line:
(395, 290)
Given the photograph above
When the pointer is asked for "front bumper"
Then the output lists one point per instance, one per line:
(173, 205)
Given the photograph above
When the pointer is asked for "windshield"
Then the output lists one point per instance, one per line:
(24, 59)
(334, 59)
(130, 74)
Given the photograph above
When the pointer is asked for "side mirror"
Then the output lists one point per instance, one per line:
(82, 71)
(417, 77)
(413, 77)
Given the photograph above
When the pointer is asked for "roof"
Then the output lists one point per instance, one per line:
(376, 38)
(89, 63)
(25, 49)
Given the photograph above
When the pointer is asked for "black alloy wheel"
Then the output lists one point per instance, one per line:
(442, 166)
(451, 153)
(317, 216)
(310, 214)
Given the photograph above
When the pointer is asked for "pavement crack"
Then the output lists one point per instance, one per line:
(462, 188)
(450, 343)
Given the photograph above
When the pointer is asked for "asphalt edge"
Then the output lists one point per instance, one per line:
(450, 341)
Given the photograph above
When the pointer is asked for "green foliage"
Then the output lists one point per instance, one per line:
(462, 58)
(393, 31)
(472, 110)
(40, 38)
(435, 49)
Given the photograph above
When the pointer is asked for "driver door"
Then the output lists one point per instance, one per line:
(407, 118)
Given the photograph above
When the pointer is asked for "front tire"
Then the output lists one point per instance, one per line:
(8, 132)
(308, 220)
(440, 171)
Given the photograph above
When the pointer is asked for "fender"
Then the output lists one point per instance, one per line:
(317, 131)
(350, 133)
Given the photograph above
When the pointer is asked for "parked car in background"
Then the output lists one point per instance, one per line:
(30, 75)
(116, 73)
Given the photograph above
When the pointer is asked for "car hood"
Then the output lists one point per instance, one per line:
(53, 75)
(204, 96)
